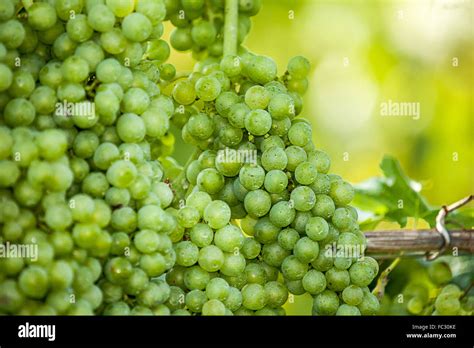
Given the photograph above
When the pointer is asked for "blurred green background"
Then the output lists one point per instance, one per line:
(365, 53)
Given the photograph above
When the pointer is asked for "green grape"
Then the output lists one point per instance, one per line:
(361, 273)
(211, 258)
(210, 181)
(257, 97)
(257, 203)
(300, 134)
(41, 16)
(273, 254)
(258, 122)
(281, 106)
(181, 39)
(217, 289)
(101, 18)
(33, 282)
(234, 264)
(255, 273)
(213, 307)
(251, 177)
(121, 173)
(276, 181)
(295, 155)
(345, 309)
(305, 173)
(200, 126)
(203, 33)
(201, 235)
(324, 206)
(154, 10)
(78, 29)
(282, 214)
(207, 88)
(7, 10)
(184, 92)
(353, 295)
(187, 253)
(196, 278)
(195, 300)
(298, 67)
(326, 303)
(237, 113)
(167, 72)
(19, 112)
(250, 248)
(113, 41)
(254, 296)
(233, 300)
(321, 184)
(341, 192)
(306, 250)
(314, 282)
(43, 99)
(274, 158)
(22, 84)
(317, 228)
(117, 308)
(261, 69)
(337, 280)
(287, 238)
(276, 294)
(229, 238)
(303, 198)
(369, 305)
(265, 231)
(136, 27)
(293, 269)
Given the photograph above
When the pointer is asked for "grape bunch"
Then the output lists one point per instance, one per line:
(261, 211)
(81, 131)
(437, 296)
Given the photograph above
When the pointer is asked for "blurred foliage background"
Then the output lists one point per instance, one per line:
(365, 53)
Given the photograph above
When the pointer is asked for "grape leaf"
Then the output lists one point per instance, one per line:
(393, 197)
(396, 197)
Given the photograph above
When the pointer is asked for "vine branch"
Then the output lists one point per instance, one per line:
(392, 243)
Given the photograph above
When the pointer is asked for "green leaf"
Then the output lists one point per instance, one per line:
(394, 196)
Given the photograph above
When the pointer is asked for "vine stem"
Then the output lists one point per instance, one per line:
(379, 289)
(231, 27)
(389, 244)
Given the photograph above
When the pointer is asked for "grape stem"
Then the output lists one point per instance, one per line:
(231, 27)
(382, 282)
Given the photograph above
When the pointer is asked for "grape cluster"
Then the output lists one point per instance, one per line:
(257, 168)
(435, 297)
(81, 129)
